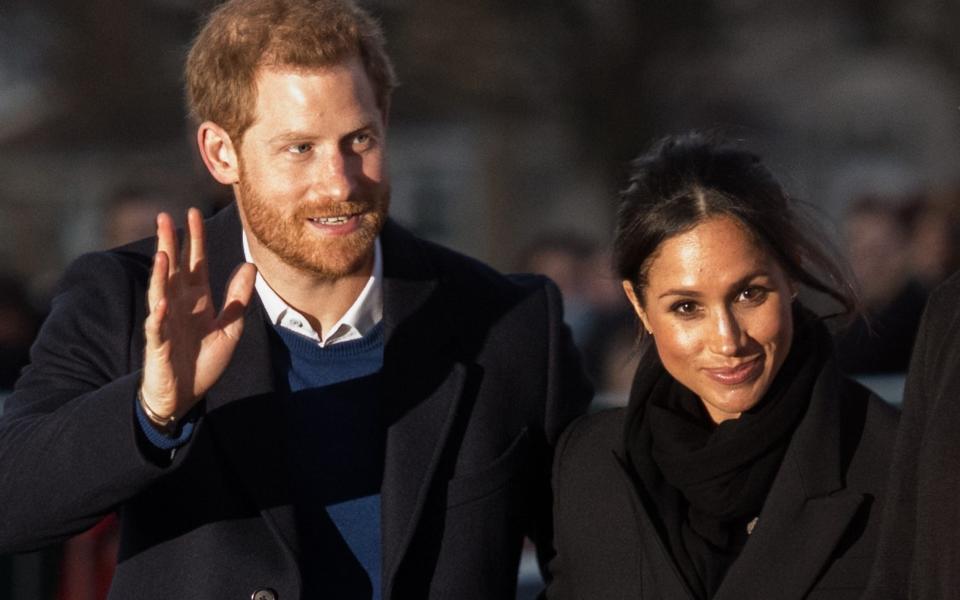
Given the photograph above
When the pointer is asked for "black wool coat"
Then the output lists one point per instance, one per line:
(919, 554)
(480, 377)
(816, 533)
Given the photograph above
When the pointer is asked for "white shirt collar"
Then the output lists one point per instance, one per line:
(365, 312)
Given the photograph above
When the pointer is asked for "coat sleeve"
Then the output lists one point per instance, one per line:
(598, 533)
(70, 448)
(559, 584)
(568, 390)
(568, 394)
(911, 562)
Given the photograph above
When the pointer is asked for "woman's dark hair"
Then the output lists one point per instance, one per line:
(686, 179)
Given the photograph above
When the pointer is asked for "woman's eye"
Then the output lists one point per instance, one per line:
(753, 294)
(684, 308)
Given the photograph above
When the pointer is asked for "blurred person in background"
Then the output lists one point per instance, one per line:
(564, 256)
(369, 415)
(745, 465)
(618, 359)
(608, 347)
(934, 238)
(878, 248)
(130, 211)
(593, 304)
(19, 322)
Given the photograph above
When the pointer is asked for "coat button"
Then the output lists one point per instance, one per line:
(264, 594)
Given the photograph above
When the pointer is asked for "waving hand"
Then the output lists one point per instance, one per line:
(188, 343)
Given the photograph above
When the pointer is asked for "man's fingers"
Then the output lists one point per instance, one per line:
(153, 326)
(157, 300)
(241, 285)
(167, 241)
(239, 292)
(196, 242)
(158, 280)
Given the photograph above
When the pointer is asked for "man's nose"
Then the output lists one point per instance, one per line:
(333, 180)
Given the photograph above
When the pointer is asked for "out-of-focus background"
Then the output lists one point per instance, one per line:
(510, 136)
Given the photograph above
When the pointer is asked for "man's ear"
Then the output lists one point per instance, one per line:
(218, 153)
(631, 293)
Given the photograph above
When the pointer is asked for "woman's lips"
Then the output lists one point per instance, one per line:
(739, 374)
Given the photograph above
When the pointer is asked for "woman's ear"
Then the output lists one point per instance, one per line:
(631, 292)
(218, 153)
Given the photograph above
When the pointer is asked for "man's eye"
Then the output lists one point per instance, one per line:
(362, 141)
(301, 148)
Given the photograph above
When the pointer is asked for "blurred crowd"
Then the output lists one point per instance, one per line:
(899, 250)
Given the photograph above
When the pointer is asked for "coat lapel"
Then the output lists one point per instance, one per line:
(242, 413)
(792, 543)
(806, 512)
(658, 571)
(423, 385)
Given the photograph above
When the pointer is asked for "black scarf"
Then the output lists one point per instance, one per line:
(704, 484)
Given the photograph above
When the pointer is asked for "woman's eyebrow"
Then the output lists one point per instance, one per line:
(680, 292)
(696, 293)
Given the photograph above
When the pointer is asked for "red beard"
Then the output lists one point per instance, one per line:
(293, 239)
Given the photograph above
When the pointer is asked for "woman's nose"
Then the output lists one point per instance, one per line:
(726, 334)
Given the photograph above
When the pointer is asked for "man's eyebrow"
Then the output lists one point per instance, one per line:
(289, 135)
(370, 124)
(294, 135)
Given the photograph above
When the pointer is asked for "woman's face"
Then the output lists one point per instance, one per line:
(718, 307)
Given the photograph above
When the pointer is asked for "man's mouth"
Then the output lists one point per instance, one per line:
(336, 225)
(333, 221)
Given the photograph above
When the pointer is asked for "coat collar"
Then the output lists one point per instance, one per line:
(422, 382)
(410, 277)
(808, 508)
(805, 514)
(657, 570)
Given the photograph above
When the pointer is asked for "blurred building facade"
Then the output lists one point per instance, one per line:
(512, 118)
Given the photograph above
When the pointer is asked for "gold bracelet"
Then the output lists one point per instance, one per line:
(165, 422)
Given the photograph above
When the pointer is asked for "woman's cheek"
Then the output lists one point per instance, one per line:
(680, 341)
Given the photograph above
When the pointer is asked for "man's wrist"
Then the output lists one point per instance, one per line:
(166, 425)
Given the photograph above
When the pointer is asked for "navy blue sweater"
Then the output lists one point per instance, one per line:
(336, 439)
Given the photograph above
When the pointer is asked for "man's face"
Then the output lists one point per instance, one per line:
(313, 188)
